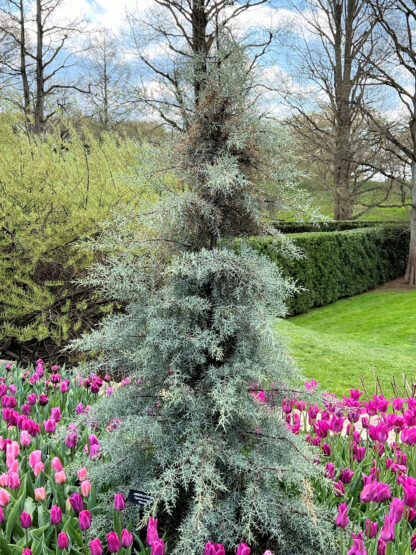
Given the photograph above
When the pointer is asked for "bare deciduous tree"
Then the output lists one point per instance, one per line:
(42, 50)
(109, 76)
(173, 36)
(396, 70)
(327, 111)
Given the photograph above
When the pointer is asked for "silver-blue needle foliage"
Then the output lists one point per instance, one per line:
(195, 340)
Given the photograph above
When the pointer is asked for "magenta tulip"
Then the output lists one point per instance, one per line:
(387, 531)
(152, 533)
(119, 504)
(126, 538)
(63, 541)
(243, 549)
(357, 547)
(96, 547)
(113, 542)
(76, 502)
(371, 528)
(396, 510)
(413, 542)
(25, 520)
(84, 519)
(56, 514)
(342, 517)
(158, 547)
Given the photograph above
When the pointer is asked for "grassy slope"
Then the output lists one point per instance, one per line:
(337, 344)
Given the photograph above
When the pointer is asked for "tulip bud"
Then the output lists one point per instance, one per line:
(84, 519)
(76, 502)
(4, 497)
(82, 474)
(152, 533)
(96, 547)
(126, 538)
(85, 488)
(60, 477)
(27, 551)
(119, 504)
(25, 520)
(56, 464)
(40, 494)
(113, 542)
(158, 547)
(56, 514)
(63, 541)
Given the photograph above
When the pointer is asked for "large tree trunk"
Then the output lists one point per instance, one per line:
(410, 275)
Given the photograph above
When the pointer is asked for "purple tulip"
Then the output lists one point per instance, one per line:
(76, 502)
(342, 518)
(357, 547)
(25, 520)
(396, 510)
(413, 542)
(56, 514)
(371, 528)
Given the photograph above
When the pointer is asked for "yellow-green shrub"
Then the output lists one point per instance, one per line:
(54, 194)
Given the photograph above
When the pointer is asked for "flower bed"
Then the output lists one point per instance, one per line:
(45, 505)
(366, 448)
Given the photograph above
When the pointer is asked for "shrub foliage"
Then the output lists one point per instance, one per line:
(339, 264)
(54, 193)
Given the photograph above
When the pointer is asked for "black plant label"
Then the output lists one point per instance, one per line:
(139, 498)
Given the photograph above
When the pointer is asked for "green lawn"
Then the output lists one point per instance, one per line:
(339, 343)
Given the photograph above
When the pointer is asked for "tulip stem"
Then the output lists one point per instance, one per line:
(27, 537)
(341, 541)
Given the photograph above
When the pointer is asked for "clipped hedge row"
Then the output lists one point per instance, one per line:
(340, 225)
(339, 264)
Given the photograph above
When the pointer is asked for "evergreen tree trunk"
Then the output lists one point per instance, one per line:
(410, 275)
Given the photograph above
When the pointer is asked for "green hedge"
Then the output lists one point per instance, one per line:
(340, 264)
(340, 225)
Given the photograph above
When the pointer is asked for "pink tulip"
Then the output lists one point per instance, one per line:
(38, 468)
(4, 498)
(25, 438)
(96, 547)
(56, 414)
(56, 464)
(49, 425)
(409, 493)
(85, 488)
(413, 542)
(243, 549)
(14, 480)
(126, 538)
(396, 510)
(35, 457)
(346, 476)
(387, 531)
(342, 518)
(82, 474)
(214, 549)
(27, 551)
(60, 477)
(113, 542)
(40, 494)
(63, 541)
(339, 489)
